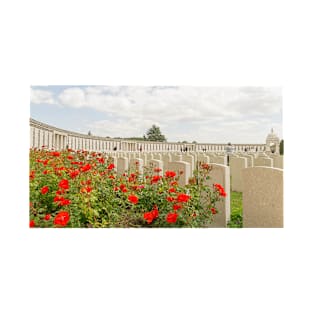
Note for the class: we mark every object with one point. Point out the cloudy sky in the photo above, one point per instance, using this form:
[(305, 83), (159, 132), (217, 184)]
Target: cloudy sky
[(204, 114)]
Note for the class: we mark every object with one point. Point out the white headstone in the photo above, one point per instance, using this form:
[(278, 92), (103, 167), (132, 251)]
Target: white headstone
[(236, 166), (220, 175), (262, 197), (136, 165), (262, 161), (219, 160), (182, 170), (122, 165), (176, 157), (190, 159), (156, 164)]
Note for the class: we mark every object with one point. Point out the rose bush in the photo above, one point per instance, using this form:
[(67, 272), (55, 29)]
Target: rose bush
[(82, 189)]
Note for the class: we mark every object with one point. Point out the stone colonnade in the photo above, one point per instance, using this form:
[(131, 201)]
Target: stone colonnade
[(59, 139)]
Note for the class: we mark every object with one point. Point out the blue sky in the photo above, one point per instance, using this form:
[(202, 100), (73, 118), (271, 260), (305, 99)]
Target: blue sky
[(204, 114)]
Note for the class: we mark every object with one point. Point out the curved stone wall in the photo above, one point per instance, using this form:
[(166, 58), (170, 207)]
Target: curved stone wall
[(51, 137)]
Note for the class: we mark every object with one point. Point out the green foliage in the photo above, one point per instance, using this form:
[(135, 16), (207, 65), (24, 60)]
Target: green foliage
[(85, 187), (154, 134), (236, 210), (281, 147), (135, 138)]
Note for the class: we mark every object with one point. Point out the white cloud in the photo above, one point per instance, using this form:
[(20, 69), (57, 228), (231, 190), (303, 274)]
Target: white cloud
[(189, 112), (39, 96), (73, 97)]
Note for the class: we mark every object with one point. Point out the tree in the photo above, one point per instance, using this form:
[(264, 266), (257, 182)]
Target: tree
[(89, 133), (154, 134), (281, 147)]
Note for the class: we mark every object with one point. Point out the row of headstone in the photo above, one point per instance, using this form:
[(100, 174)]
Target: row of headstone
[(262, 187)]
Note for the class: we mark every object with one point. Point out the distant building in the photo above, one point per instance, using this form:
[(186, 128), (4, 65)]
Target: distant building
[(272, 143)]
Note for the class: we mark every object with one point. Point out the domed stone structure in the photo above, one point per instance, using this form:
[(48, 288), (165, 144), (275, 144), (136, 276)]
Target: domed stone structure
[(272, 143)]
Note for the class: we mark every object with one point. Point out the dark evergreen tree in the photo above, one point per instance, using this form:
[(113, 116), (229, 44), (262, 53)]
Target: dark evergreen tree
[(154, 134), (281, 147)]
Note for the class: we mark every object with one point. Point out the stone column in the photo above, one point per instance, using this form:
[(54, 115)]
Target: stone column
[(31, 137)]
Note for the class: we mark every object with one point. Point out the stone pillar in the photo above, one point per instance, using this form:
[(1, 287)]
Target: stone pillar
[(31, 137), (263, 197)]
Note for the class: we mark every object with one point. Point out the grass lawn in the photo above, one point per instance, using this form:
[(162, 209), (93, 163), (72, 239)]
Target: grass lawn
[(236, 210)]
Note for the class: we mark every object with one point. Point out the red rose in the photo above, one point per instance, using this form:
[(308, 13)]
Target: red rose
[(213, 210), (73, 174), (171, 217), (101, 160), (32, 175), (148, 216), (86, 189), (58, 198), (169, 174), (61, 218), (32, 223), (65, 202), (133, 199), (85, 168), (220, 189), (155, 179), (44, 190), (70, 157), (111, 166), (47, 217), (177, 206), (157, 170), (155, 213), (55, 153), (170, 199), (205, 166), (172, 190), (183, 197), (64, 184)]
